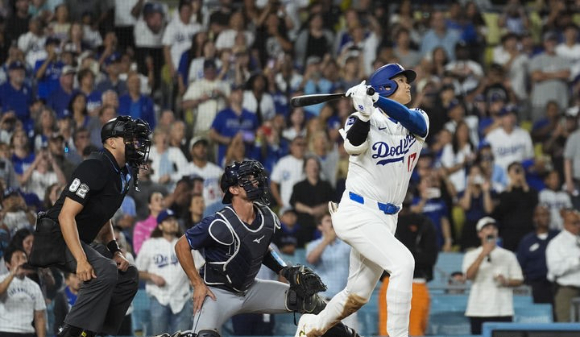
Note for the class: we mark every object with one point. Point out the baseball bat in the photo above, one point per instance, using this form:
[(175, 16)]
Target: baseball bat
[(305, 100)]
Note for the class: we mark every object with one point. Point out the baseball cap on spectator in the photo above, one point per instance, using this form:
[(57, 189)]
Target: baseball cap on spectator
[(496, 96), (484, 222), (207, 64), (237, 86), (51, 40), (287, 209), (10, 192), (312, 60), (164, 215), (68, 70), (447, 86), (114, 57), (152, 7), (426, 152), (196, 140), (506, 110), (16, 65), (550, 36), (64, 114), (191, 178), (56, 136), (453, 104)]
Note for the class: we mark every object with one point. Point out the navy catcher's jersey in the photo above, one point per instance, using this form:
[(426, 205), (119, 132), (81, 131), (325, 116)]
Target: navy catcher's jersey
[(100, 185), (233, 250)]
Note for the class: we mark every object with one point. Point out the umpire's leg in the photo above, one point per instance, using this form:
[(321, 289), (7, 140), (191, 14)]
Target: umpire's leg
[(123, 294), (92, 306)]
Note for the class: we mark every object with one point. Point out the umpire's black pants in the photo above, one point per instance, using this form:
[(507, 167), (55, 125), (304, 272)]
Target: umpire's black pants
[(103, 301)]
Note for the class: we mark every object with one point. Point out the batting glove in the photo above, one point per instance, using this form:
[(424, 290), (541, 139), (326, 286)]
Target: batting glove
[(362, 102)]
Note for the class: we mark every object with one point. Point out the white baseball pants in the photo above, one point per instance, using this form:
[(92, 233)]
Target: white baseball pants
[(370, 233)]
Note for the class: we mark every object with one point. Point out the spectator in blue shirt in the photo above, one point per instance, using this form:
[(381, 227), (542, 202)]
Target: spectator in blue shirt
[(439, 35), (60, 98), (16, 96), (431, 203), (531, 255), (48, 70), (136, 104), (22, 156), (113, 70), (231, 121), (86, 80)]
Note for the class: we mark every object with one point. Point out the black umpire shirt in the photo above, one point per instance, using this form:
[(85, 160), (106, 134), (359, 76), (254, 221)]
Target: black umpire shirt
[(100, 185)]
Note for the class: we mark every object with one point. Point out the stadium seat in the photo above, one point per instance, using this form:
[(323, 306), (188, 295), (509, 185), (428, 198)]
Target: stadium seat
[(535, 313), (447, 263)]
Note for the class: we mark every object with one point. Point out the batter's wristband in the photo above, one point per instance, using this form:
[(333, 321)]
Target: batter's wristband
[(113, 246)]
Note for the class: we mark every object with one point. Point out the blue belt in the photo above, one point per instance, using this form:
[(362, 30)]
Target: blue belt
[(385, 207)]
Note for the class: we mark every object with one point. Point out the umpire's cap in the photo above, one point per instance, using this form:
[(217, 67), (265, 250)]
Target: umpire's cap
[(381, 79)]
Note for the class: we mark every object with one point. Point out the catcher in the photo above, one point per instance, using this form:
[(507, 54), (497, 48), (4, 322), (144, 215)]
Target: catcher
[(235, 243)]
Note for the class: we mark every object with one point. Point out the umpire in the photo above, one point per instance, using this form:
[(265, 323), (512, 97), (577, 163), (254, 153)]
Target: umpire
[(64, 234)]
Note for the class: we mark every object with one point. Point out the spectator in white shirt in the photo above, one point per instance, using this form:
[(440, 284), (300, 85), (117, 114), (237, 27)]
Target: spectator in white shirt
[(563, 261), (167, 285), (287, 172), (226, 38), (22, 308), (510, 143), (555, 199), (493, 271), (177, 36)]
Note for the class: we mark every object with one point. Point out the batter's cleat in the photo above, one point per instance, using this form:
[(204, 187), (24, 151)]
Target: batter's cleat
[(305, 327)]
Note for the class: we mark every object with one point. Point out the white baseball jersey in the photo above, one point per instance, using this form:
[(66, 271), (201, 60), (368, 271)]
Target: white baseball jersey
[(211, 174), (508, 148), (177, 36), (555, 200), (157, 256), (382, 172), (17, 306), (286, 173)]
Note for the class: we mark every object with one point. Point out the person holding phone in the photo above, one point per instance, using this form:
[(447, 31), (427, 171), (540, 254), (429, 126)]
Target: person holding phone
[(494, 271), (515, 209)]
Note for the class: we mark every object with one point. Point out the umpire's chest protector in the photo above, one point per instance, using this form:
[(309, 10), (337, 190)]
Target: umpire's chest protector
[(246, 247)]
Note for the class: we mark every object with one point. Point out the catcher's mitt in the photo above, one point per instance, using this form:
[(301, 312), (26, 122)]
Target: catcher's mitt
[(303, 280)]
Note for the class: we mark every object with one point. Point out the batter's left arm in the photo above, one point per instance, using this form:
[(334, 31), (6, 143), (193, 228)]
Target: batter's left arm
[(412, 119)]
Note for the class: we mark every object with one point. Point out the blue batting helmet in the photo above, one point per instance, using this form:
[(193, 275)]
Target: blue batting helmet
[(381, 79), (251, 176)]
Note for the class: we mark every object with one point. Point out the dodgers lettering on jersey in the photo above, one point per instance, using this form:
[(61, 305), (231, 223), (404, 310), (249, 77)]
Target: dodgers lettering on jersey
[(382, 172)]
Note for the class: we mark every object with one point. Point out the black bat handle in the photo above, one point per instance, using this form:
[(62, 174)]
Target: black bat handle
[(370, 91)]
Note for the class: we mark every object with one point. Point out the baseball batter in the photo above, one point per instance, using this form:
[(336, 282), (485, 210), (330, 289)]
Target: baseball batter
[(384, 143)]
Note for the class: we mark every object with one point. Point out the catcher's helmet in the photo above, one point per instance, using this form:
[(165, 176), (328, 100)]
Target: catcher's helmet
[(250, 175), (135, 133), (381, 79)]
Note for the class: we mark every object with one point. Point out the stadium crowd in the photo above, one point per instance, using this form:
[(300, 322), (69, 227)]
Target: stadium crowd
[(498, 79)]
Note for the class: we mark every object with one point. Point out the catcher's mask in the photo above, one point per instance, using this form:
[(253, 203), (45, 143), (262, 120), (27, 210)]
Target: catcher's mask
[(250, 175), (135, 133)]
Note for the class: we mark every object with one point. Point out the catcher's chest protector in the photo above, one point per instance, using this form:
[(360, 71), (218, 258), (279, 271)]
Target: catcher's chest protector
[(247, 247)]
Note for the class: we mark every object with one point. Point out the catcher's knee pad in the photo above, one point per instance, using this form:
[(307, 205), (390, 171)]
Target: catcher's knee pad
[(208, 333), (310, 305)]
